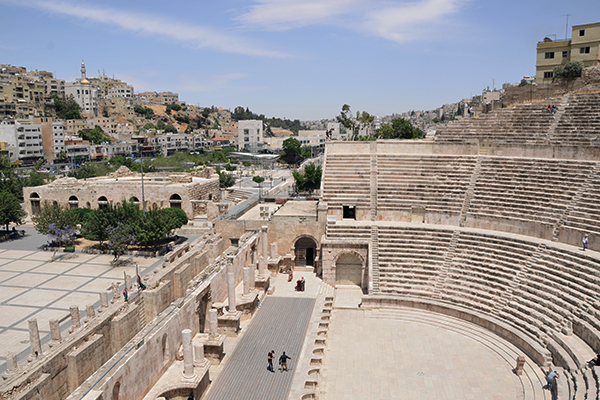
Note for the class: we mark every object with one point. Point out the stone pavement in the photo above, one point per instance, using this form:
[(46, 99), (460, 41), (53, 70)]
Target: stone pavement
[(413, 354), (33, 287)]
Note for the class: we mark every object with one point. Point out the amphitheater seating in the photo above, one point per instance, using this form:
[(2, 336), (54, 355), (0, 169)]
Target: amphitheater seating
[(523, 189), (585, 214), (580, 123), (522, 124), (348, 180), (410, 259), (437, 183), (348, 232)]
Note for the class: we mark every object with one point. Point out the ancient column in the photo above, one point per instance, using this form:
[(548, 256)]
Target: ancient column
[(231, 291), (252, 277), (265, 242), (103, 301), (128, 282), (34, 340), (261, 266), (115, 292), (11, 365), (75, 321), (246, 281), (520, 365), (188, 355), (55, 337), (89, 311), (213, 322), (198, 354), (274, 252)]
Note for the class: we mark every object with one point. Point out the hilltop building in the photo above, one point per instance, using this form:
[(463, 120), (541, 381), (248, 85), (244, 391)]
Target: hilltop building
[(85, 94), (584, 46)]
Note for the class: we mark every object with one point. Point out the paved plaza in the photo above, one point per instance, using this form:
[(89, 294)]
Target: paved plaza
[(33, 287)]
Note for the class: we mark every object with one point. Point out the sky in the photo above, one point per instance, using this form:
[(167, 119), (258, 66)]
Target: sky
[(295, 59)]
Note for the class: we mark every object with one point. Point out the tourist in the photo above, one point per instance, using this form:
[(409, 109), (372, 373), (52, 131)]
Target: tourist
[(585, 242), (270, 360), (553, 108), (595, 361), (290, 274), (470, 111), (303, 284), (550, 378), (283, 361), (549, 109), (299, 285)]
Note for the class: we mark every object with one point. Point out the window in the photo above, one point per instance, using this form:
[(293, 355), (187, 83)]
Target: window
[(549, 74), (349, 212), (549, 55), (565, 53), (582, 32), (584, 50), (246, 131)]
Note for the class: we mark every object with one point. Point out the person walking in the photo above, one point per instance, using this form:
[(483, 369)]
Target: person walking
[(283, 361), (550, 378), (270, 360), (584, 241)]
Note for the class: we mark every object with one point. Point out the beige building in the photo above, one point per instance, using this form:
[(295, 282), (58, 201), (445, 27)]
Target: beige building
[(84, 93), (583, 46), (190, 192)]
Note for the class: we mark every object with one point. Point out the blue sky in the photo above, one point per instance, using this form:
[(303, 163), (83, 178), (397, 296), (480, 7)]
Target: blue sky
[(291, 58)]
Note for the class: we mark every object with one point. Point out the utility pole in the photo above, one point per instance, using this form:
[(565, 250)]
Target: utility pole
[(567, 25), (143, 199)]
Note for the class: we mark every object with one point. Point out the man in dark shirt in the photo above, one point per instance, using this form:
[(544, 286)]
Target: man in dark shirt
[(283, 361), (270, 359)]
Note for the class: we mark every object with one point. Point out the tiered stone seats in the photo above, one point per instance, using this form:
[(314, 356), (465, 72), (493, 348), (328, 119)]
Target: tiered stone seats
[(348, 232), (524, 195), (410, 259), (347, 180), (436, 183), (584, 217), (522, 124), (579, 125)]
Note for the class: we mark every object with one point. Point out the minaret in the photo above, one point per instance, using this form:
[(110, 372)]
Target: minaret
[(83, 71)]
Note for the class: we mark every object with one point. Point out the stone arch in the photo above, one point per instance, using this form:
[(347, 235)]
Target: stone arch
[(102, 202), (116, 391), (73, 202), (305, 249), (34, 199), (175, 201), (349, 267)]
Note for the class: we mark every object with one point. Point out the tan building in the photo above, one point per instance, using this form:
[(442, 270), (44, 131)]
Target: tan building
[(583, 46), (190, 192)]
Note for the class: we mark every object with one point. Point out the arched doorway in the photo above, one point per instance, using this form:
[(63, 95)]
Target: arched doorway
[(102, 202), (34, 198), (306, 251), (175, 201), (348, 270), (73, 202)]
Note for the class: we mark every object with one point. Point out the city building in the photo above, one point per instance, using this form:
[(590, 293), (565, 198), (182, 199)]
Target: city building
[(251, 135), (25, 137), (85, 94), (584, 46)]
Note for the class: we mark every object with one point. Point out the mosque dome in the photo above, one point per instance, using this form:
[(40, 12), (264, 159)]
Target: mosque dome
[(85, 82)]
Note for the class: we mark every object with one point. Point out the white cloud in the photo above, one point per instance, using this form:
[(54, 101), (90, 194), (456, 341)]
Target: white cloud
[(288, 14), (399, 20), (197, 36), (411, 20)]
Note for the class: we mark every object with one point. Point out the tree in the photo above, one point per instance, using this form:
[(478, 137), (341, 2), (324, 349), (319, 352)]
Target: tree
[(225, 180), (52, 213), (148, 125), (178, 215), (170, 128), (8, 178), (259, 179), (399, 129), (35, 179), (66, 108), (292, 150), (354, 124), (571, 69), (154, 226), (95, 135), (310, 179), (119, 238), (10, 209)]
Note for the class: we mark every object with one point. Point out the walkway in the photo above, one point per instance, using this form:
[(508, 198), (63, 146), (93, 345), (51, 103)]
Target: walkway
[(280, 325)]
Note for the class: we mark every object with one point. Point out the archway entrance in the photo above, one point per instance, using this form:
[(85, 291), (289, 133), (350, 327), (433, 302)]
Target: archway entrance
[(348, 270), (306, 251)]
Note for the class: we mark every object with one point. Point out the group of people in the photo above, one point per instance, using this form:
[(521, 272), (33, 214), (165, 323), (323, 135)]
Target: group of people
[(282, 361), (551, 109)]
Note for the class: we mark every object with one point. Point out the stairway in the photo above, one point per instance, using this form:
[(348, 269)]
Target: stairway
[(470, 193), (375, 257), (448, 257)]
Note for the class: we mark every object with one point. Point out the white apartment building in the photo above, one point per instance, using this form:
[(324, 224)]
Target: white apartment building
[(84, 93), (124, 91), (26, 138), (250, 135)]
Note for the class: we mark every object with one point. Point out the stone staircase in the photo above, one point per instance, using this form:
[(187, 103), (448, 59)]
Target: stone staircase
[(470, 191), (448, 257), (374, 255)]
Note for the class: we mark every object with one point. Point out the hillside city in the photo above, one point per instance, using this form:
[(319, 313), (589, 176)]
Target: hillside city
[(95, 118)]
